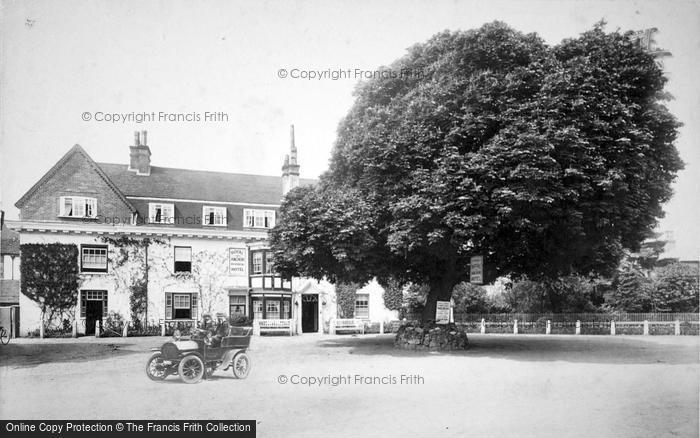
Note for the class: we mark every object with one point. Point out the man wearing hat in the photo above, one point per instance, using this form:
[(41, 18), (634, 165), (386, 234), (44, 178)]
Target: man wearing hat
[(221, 329)]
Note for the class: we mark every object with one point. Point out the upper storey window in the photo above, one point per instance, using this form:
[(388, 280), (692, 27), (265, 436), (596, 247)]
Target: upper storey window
[(159, 213), (77, 206), (258, 218), (214, 216)]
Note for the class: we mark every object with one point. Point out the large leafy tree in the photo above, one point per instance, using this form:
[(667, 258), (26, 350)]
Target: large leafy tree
[(546, 160)]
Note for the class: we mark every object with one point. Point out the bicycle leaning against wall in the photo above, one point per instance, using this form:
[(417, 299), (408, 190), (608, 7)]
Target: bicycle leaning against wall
[(4, 335)]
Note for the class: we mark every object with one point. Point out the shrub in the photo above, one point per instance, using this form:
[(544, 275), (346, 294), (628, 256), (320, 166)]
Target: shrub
[(238, 320), (113, 325)]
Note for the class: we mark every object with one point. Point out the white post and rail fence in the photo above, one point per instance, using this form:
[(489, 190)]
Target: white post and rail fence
[(580, 323)]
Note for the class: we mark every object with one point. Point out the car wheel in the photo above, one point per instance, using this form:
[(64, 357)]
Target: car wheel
[(241, 365), (191, 369), (155, 368)]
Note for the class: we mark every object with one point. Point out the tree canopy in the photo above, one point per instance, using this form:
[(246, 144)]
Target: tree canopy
[(546, 160)]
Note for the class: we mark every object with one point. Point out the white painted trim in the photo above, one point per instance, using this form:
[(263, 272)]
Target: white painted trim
[(66, 227), (200, 201)]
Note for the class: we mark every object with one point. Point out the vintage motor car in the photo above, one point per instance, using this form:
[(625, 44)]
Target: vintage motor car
[(199, 356)]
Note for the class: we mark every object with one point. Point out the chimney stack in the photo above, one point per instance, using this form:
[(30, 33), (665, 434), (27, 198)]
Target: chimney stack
[(140, 155), (290, 169)]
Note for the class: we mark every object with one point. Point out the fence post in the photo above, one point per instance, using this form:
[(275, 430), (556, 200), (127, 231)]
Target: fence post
[(578, 327), (677, 328), (515, 327), (75, 328), (646, 327), (98, 324), (125, 331), (162, 328), (612, 328), (548, 331), (381, 327), (483, 326)]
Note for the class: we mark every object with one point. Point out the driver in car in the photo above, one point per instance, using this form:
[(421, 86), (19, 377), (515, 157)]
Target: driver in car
[(221, 330)]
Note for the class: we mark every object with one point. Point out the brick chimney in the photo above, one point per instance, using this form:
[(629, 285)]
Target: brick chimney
[(290, 169), (140, 155)]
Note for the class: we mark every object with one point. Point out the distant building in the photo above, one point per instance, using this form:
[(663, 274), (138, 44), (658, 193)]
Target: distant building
[(9, 279)]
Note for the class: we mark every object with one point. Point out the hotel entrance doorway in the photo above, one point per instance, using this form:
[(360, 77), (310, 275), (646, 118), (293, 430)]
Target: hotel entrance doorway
[(309, 313)]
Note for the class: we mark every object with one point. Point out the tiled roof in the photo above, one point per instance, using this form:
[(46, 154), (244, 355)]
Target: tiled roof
[(165, 182)]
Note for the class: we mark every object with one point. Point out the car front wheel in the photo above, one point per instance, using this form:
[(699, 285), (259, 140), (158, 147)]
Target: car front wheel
[(191, 369), (155, 368), (241, 365)]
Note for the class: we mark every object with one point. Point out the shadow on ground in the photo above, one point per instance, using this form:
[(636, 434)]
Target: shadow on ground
[(32, 355), (589, 349)]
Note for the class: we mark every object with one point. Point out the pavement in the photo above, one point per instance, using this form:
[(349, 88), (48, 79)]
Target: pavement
[(359, 385)]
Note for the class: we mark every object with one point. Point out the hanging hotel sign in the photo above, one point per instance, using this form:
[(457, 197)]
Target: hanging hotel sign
[(442, 312), (476, 270), (236, 261)]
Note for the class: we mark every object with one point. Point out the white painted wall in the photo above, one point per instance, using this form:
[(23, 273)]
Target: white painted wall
[(161, 263)]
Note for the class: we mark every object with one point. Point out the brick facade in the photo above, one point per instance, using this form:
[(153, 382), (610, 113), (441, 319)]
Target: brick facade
[(78, 177)]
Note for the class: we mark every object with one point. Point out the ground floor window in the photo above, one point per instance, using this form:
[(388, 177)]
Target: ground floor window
[(237, 305), (362, 306), (181, 305), (273, 309), (93, 295), (258, 308), (276, 307)]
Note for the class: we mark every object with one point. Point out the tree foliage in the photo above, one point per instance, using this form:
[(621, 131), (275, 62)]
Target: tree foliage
[(676, 288), (470, 298), (393, 294), (345, 294), (569, 294), (50, 276), (549, 161)]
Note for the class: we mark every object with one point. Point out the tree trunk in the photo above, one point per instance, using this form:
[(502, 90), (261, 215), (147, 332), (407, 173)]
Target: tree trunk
[(440, 290), (41, 327)]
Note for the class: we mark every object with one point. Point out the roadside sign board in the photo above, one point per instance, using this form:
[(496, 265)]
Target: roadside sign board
[(442, 312), (476, 270)]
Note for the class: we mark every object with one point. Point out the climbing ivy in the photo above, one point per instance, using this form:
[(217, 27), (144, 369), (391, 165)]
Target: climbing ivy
[(134, 275), (50, 276)]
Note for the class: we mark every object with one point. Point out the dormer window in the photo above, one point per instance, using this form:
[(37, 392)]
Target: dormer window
[(258, 218), (161, 213), (77, 206), (214, 216)]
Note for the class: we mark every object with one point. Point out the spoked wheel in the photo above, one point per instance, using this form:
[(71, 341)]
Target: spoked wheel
[(4, 336), (155, 368), (191, 369), (241, 365)]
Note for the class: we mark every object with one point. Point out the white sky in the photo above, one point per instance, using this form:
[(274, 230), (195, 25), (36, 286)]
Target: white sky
[(63, 58)]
